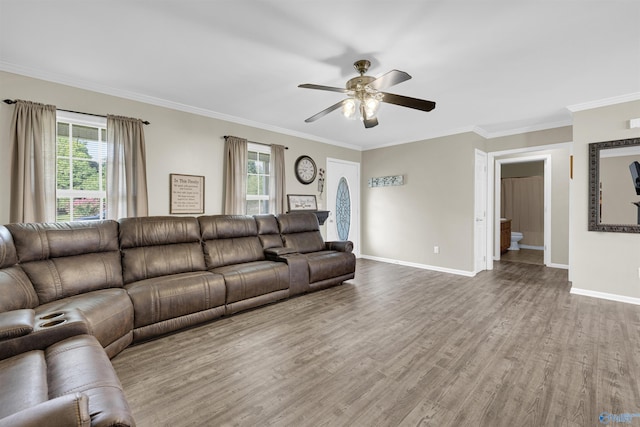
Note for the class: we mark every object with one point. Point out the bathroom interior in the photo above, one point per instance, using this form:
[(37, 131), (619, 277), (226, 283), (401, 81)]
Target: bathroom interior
[(522, 212)]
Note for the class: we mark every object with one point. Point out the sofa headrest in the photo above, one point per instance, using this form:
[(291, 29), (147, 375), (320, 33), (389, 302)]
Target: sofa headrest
[(8, 256), (298, 222), (40, 241), (267, 224), (158, 230), (227, 226)]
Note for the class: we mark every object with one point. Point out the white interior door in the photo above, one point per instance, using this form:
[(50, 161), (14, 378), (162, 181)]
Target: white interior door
[(343, 201), (480, 227)]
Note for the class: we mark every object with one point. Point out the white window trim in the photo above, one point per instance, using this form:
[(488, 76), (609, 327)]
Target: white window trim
[(264, 149), (82, 120)]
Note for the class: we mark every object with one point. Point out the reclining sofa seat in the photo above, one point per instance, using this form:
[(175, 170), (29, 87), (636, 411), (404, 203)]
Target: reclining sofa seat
[(72, 267), (233, 249), (330, 263), (166, 277), (70, 383)]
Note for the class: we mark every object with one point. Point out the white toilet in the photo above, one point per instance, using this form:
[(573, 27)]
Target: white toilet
[(515, 238)]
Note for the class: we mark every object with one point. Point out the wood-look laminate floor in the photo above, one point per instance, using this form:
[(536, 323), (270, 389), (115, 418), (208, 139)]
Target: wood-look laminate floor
[(399, 346), (527, 256)]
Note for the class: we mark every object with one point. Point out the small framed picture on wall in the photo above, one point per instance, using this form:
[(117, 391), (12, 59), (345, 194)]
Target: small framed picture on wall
[(186, 194)]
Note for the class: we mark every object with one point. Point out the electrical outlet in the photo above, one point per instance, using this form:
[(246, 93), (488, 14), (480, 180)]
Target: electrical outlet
[(436, 249)]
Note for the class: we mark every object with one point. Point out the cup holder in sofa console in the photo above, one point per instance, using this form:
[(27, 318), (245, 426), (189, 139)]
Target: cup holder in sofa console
[(52, 315), (51, 323)]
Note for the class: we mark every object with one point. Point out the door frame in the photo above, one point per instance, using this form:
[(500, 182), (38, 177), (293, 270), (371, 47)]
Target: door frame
[(480, 201), (493, 230), (354, 190)]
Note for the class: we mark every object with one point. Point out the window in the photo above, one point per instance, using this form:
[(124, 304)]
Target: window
[(258, 179), (81, 159)]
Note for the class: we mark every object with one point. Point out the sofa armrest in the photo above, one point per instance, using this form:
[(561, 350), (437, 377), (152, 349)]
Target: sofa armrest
[(48, 329), (64, 411), (16, 323), (275, 254), (340, 246)]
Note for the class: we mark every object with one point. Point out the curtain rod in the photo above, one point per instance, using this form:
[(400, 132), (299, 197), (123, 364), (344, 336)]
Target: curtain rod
[(254, 142), (11, 101)]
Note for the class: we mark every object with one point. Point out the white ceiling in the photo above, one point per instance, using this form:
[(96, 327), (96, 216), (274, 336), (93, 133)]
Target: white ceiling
[(495, 67)]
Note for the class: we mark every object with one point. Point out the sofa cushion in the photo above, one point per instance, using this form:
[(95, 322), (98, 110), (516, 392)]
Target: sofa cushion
[(16, 323), (24, 382), (8, 255), (80, 365), (329, 264), (230, 240), (71, 410), (268, 231), (159, 246), (109, 312), (301, 232), (66, 259), (251, 279), (16, 290), (67, 276), (41, 241), (161, 298)]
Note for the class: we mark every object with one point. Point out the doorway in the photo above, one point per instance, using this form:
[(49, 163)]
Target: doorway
[(343, 202), (546, 233)]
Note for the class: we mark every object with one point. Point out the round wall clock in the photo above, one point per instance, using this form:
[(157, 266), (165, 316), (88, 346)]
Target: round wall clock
[(305, 169)]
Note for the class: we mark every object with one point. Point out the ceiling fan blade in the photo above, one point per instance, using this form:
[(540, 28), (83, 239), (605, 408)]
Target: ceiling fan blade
[(389, 79), (325, 111), (405, 101), (320, 87), (369, 123)]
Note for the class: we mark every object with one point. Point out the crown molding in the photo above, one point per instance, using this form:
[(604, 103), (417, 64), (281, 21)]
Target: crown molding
[(159, 102), (524, 129), (635, 96)]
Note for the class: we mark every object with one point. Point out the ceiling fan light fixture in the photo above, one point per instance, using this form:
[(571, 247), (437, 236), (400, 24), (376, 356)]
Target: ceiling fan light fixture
[(371, 105), (349, 108), (364, 95)]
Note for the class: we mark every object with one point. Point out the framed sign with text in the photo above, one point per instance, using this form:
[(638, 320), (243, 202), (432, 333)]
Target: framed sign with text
[(187, 194)]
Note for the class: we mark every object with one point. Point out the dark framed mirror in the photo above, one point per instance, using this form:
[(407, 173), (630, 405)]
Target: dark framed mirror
[(614, 186)]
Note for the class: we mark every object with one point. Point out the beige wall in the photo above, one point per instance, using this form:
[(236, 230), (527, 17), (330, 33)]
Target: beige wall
[(434, 207), (177, 142), (601, 262)]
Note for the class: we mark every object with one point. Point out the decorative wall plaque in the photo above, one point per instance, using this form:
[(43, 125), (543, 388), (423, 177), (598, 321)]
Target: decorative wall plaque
[(386, 181), (187, 194)]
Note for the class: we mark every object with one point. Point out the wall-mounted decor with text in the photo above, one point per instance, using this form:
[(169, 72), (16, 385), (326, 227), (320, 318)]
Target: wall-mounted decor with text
[(386, 181), (302, 202), (187, 194)]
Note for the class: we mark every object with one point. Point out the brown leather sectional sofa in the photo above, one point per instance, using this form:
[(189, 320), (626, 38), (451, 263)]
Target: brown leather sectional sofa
[(73, 295)]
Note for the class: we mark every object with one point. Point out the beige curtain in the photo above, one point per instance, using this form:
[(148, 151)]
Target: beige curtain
[(522, 201), (33, 170), (235, 188), (126, 168), (277, 202)]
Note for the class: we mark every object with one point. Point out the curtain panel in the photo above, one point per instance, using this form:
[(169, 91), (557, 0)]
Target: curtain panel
[(126, 168), (235, 185), (522, 201), (33, 168), (278, 199)]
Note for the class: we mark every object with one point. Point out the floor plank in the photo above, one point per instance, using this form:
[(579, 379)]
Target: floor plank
[(399, 346)]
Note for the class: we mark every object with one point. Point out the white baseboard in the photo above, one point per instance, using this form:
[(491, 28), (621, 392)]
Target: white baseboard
[(562, 266), (422, 266), (535, 248), (604, 295)]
